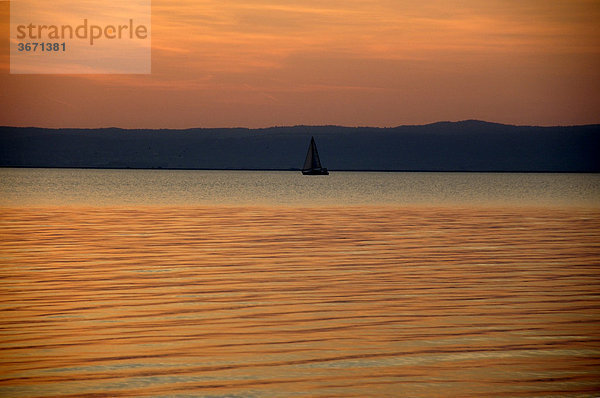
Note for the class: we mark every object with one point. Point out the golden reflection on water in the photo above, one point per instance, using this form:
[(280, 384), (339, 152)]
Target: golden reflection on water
[(354, 302)]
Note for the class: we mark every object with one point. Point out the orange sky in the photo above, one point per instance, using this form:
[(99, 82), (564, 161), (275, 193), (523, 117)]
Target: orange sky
[(250, 63)]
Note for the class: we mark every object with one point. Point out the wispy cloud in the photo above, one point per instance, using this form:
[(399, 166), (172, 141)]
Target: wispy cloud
[(395, 60)]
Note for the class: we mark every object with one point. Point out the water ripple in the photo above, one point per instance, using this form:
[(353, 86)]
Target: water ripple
[(258, 301)]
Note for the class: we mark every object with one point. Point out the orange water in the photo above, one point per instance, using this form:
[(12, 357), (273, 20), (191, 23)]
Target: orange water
[(274, 302)]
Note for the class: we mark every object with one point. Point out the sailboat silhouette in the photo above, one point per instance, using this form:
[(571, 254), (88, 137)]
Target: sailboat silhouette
[(312, 163)]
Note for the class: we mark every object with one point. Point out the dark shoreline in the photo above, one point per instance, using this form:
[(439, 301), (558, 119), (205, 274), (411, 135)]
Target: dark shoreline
[(468, 146), (298, 170)]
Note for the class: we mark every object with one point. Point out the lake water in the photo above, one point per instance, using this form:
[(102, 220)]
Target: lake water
[(73, 187), (273, 284)]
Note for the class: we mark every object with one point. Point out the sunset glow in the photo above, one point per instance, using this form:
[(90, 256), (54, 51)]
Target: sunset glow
[(381, 63)]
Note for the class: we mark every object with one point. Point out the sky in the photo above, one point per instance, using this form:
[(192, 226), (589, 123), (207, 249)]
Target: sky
[(261, 63)]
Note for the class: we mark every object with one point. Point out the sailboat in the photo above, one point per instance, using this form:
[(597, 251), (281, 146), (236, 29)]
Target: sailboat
[(312, 163)]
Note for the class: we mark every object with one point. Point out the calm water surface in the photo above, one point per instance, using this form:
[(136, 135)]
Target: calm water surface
[(243, 284), (30, 187)]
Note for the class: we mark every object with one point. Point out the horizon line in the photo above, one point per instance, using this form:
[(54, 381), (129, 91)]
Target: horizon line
[(303, 126)]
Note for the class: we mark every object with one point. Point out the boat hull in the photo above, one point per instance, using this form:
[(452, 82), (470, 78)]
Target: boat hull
[(318, 172)]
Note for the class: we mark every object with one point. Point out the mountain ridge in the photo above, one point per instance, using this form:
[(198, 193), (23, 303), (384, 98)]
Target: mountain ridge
[(468, 145)]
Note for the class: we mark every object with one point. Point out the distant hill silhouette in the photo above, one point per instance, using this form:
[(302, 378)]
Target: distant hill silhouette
[(446, 146)]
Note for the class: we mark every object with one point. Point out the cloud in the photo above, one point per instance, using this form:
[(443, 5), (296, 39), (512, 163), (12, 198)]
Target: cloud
[(392, 61)]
